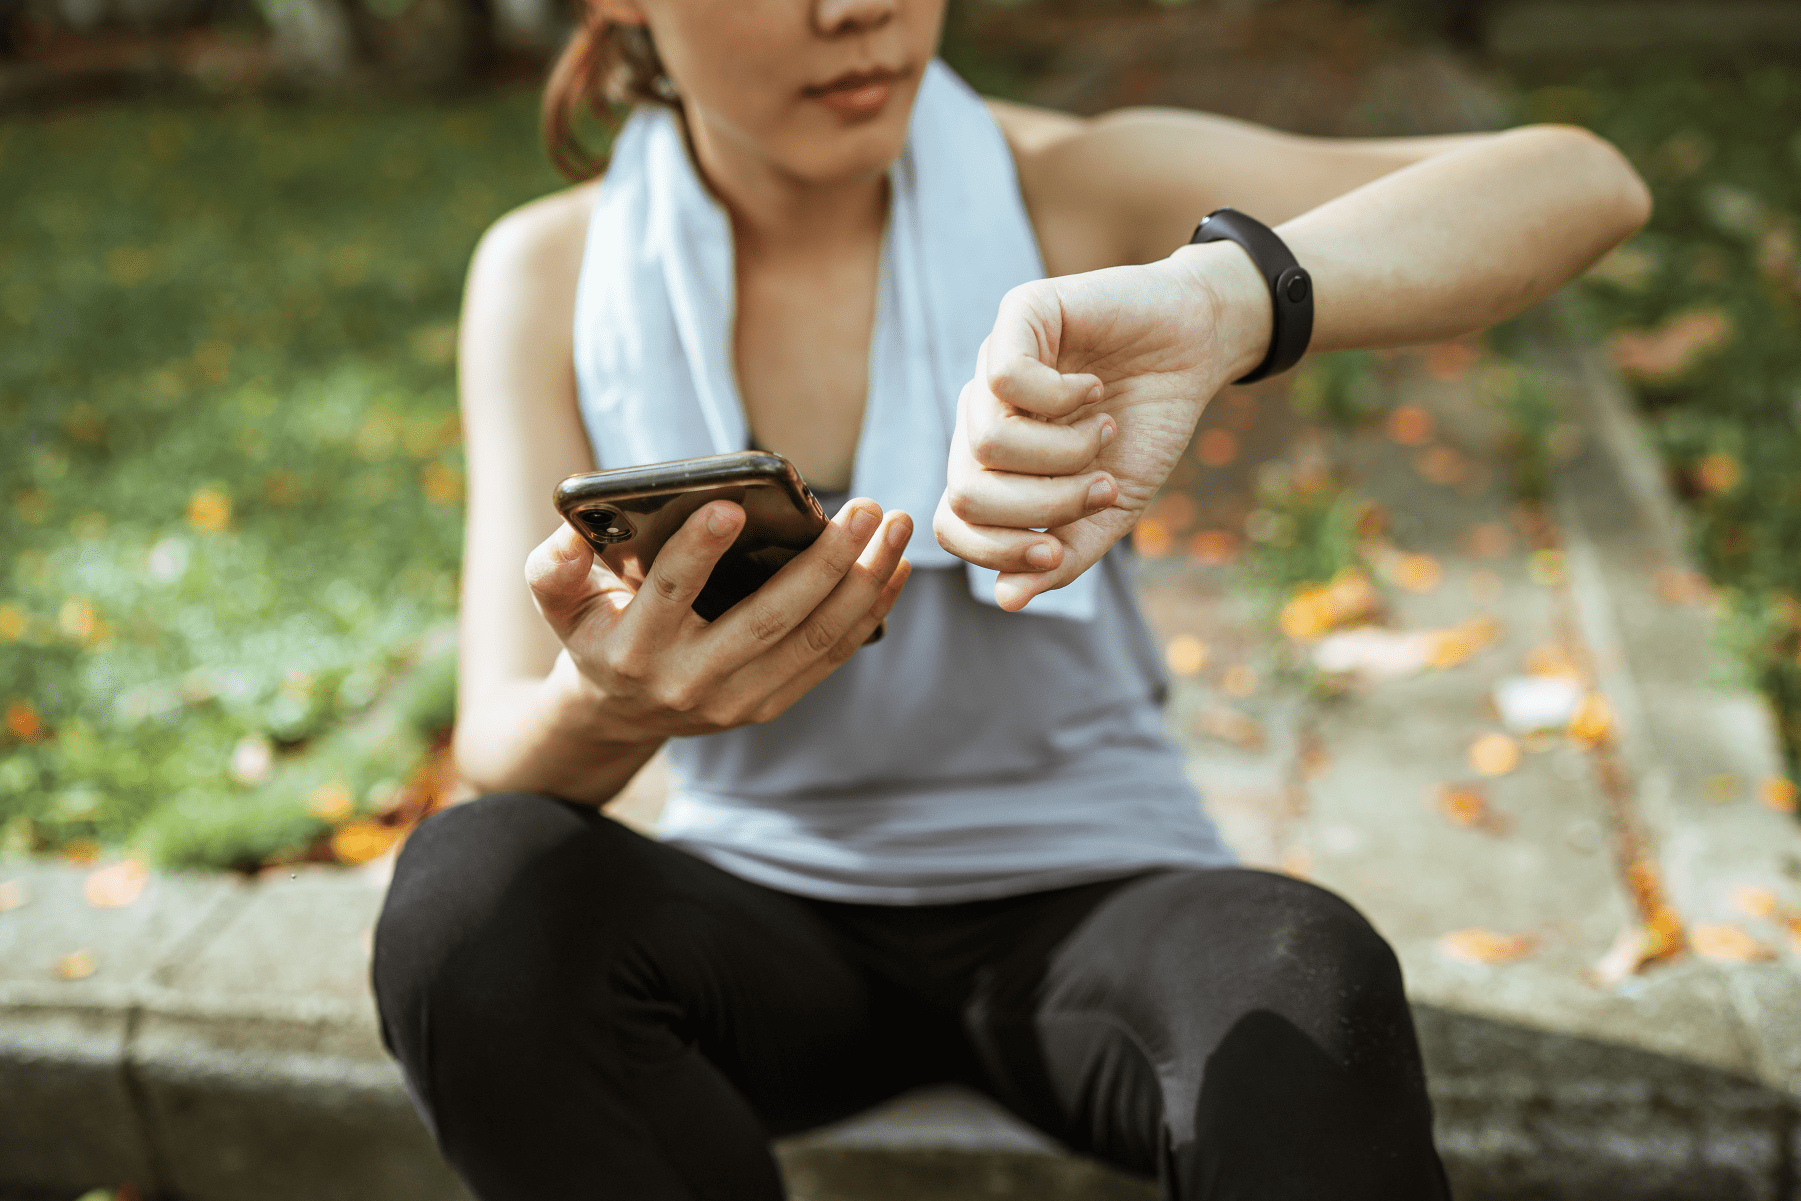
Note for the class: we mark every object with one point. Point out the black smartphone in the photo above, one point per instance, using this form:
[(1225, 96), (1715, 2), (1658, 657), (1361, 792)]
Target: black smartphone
[(626, 515)]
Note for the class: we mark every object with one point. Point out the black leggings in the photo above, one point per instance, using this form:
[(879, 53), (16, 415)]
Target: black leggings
[(582, 1012)]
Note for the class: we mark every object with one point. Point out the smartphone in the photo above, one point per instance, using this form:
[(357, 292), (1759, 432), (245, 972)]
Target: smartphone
[(626, 515)]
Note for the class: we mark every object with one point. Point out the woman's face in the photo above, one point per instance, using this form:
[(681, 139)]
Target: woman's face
[(819, 89)]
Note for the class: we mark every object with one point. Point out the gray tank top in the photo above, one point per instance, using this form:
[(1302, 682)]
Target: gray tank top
[(970, 753)]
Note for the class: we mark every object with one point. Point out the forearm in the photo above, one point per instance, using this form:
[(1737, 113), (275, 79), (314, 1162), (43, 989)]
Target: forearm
[(545, 736), (1446, 246)]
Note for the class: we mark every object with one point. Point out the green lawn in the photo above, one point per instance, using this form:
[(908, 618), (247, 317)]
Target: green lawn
[(230, 454)]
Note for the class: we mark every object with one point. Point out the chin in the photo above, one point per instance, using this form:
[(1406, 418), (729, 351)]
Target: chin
[(827, 150)]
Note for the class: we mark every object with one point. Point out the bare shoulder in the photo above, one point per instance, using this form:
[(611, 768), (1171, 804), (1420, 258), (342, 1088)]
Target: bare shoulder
[(541, 240), (1029, 129)]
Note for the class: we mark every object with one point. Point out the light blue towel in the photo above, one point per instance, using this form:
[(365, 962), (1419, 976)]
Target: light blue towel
[(655, 304)]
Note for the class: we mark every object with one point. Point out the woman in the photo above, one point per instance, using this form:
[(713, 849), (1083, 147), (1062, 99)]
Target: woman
[(964, 852)]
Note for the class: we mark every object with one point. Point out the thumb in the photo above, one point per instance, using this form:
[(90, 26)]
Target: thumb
[(559, 572)]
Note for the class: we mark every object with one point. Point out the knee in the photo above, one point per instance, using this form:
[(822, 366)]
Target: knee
[(1294, 949), (475, 899)]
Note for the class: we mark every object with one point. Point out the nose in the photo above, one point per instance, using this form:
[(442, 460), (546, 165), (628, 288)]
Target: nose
[(837, 17)]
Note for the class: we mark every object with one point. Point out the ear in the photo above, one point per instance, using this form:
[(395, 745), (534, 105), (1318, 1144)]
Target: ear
[(620, 12)]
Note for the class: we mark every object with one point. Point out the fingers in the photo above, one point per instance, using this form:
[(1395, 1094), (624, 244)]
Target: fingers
[(841, 651), (1028, 501), (994, 546), (1084, 543), (763, 619), (1002, 438), (680, 570), (827, 624), (1019, 360), (560, 572)]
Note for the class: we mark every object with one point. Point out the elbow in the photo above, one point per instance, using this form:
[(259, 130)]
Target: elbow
[(1621, 200)]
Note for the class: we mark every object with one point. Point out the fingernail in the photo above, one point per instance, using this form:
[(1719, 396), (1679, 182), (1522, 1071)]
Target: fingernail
[(1100, 494), (1042, 554), (1107, 431), (862, 522), (898, 534), (1095, 393), (720, 523)]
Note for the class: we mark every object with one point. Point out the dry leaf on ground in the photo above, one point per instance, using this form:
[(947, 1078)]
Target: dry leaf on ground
[(117, 886), (1754, 901), (1593, 720), (1239, 680), (1461, 806), (1418, 572), (1725, 943), (1477, 945), (1777, 793), (1185, 655), (1494, 754), (76, 965), (1486, 540), (1410, 425), (1151, 538), (1213, 548), (362, 841)]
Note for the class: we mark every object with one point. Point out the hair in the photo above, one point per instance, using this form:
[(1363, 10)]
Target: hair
[(604, 66)]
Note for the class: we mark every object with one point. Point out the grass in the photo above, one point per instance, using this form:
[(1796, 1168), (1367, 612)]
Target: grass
[(230, 454)]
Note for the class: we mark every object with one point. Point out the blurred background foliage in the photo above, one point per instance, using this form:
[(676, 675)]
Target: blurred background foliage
[(231, 514)]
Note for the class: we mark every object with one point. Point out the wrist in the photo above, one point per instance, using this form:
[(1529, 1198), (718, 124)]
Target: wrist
[(1233, 300), (581, 708)]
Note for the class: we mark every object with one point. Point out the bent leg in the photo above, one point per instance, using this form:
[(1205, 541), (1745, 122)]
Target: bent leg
[(1238, 1034), (581, 1011)]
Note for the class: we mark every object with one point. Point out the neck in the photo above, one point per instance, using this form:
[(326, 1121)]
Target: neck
[(774, 212)]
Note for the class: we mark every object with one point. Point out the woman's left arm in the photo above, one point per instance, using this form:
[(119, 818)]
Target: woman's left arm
[(1408, 240)]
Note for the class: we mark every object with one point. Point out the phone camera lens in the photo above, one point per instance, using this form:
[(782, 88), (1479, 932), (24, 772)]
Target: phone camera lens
[(607, 525)]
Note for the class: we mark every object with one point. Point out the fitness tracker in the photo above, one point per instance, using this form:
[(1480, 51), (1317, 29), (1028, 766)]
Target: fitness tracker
[(1290, 287)]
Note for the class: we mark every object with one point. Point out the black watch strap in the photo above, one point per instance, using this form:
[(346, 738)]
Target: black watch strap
[(1290, 287)]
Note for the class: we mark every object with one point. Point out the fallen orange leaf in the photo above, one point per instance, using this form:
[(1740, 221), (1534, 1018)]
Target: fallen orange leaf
[(1723, 788), (1151, 538), (1718, 472), (1418, 572), (1545, 567), (1457, 644), (209, 510), (1550, 659), (1593, 721), (359, 842), (1217, 447), (23, 720), (76, 965), (1441, 465), (1666, 353), (331, 802), (1754, 901), (1675, 586), (1477, 945), (1461, 806), (117, 886), (83, 852), (1777, 793), (1725, 943), (1410, 425), (1186, 655), (1213, 548), (1494, 754)]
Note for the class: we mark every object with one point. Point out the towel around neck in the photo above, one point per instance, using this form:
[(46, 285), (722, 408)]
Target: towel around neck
[(656, 299)]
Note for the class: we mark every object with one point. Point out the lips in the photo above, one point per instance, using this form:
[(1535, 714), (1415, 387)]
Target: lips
[(857, 95)]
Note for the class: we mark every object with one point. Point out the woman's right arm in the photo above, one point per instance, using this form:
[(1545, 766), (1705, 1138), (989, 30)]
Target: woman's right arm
[(569, 680)]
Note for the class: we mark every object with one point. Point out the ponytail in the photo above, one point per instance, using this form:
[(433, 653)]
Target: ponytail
[(604, 66)]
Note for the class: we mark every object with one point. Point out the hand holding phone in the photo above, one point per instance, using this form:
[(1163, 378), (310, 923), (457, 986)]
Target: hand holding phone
[(644, 661)]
